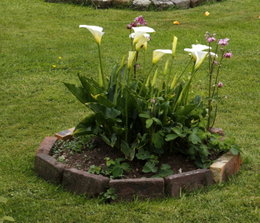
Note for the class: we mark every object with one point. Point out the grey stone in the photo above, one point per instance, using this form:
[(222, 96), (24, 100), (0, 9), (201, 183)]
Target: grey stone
[(163, 4), (102, 3), (82, 182), (48, 168), (141, 4), (181, 4), (195, 3), (128, 189), (187, 181), (122, 2)]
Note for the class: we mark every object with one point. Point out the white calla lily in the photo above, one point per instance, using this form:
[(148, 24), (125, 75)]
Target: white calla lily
[(159, 53), (96, 31), (200, 47), (141, 42), (197, 55), (143, 29)]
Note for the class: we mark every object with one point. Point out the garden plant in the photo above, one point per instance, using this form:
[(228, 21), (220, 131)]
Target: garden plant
[(145, 110)]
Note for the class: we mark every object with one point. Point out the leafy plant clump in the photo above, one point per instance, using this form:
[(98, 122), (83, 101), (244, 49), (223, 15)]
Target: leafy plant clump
[(147, 111)]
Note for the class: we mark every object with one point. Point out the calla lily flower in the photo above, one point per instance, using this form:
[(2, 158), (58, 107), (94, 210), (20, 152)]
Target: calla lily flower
[(158, 54), (135, 36), (200, 47), (197, 55), (131, 57), (141, 42), (143, 29), (96, 31)]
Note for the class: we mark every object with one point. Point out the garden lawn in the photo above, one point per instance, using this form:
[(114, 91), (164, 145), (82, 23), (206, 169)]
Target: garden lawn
[(34, 103)]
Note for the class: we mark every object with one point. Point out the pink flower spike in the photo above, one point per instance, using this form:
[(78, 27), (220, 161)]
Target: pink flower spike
[(220, 84), (140, 21), (211, 39), (223, 42), (228, 55)]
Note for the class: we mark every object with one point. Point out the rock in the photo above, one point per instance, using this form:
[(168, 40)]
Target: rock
[(141, 4), (195, 3), (225, 166), (122, 2), (82, 182), (142, 188), (48, 168), (187, 181), (181, 4), (102, 3), (163, 4)]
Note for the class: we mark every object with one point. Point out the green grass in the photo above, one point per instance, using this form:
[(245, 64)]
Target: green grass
[(34, 103)]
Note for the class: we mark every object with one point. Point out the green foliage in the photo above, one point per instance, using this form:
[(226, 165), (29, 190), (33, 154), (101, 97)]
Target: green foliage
[(113, 168), (108, 196), (5, 218), (165, 170)]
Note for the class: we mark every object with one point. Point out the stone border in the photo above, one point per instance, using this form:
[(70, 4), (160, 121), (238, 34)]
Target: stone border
[(82, 182), (139, 4)]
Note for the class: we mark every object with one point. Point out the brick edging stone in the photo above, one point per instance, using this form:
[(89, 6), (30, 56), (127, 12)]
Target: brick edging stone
[(82, 182)]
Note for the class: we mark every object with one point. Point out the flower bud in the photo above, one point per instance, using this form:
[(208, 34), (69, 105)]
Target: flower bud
[(220, 84), (228, 55)]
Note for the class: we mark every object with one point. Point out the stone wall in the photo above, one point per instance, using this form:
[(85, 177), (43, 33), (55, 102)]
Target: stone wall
[(139, 4)]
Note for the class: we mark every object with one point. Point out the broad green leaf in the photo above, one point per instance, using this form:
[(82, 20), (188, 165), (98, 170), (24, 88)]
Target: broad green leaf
[(171, 137), (150, 167), (144, 115), (157, 121), (128, 151), (164, 171), (149, 123), (158, 140), (194, 138), (143, 154)]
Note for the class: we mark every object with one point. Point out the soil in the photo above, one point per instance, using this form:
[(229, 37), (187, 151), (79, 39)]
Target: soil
[(99, 151)]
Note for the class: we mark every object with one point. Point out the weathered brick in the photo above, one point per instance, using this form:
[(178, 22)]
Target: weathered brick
[(128, 189), (82, 182), (225, 166), (187, 181), (46, 145), (48, 168)]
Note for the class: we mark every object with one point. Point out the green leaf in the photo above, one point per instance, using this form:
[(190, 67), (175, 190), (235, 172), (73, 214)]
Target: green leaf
[(149, 123), (143, 154), (164, 171), (171, 137), (150, 167), (158, 139), (128, 151), (144, 115), (158, 121), (194, 138), (117, 171), (234, 151), (8, 218)]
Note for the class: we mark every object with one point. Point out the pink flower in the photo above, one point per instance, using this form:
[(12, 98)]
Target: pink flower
[(140, 21), (211, 39), (228, 55), (131, 25), (220, 84), (223, 42)]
